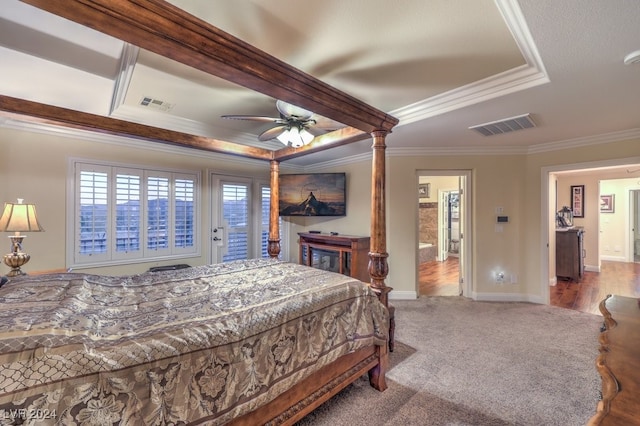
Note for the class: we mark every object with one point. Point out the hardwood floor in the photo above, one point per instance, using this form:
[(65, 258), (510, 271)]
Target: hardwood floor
[(441, 279), (614, 278)]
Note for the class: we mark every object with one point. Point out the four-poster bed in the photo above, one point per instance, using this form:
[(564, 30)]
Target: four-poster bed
[(166, 30)]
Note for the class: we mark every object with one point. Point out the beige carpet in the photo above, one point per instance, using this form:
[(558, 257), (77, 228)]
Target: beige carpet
[(460, 362)]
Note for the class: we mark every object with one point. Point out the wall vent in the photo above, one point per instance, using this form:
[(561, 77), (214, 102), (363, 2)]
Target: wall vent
[(156, 104), (506, 125)]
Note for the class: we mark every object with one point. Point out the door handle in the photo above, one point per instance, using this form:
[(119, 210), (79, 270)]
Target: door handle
[(217, 239)]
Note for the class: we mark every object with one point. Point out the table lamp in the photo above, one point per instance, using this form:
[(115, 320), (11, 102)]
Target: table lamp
[(18, 218)]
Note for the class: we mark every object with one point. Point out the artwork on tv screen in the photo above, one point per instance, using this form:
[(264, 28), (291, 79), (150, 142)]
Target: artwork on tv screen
[(317, 194)]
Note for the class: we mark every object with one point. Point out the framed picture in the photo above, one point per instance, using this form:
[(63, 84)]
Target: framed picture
[(424, 190), (607, 203), (577, 200)]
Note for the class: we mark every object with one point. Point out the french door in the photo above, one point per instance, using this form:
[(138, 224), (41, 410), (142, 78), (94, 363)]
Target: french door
[(239, 218), (230, 218)]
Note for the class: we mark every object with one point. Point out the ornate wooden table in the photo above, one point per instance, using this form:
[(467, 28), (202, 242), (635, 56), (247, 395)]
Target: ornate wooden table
[(619, 362)]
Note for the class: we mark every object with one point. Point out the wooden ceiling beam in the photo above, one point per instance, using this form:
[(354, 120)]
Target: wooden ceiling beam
[(41, 113), (164, 29), (323, 142)]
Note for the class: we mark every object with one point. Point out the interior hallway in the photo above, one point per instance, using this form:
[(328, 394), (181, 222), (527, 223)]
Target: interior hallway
[(441, 279)]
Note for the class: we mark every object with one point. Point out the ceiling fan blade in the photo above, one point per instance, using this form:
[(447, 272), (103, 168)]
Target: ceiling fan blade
[(289, 110), (325, 124), (259, 118), (272, 133), (315, 131)]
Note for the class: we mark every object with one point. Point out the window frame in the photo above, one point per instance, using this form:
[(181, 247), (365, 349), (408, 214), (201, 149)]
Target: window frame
[(112, 257)]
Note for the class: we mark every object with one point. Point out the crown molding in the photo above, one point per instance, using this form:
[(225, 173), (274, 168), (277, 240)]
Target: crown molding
[(455, 151), (123, 141), (584, 141), (517, 79), (532, 74), (573, 143), (128, 61), (580, 142), (339, 162)]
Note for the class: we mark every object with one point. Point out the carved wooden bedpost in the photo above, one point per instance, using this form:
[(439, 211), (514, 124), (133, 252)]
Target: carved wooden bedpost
[(378, 267), (274, 227)]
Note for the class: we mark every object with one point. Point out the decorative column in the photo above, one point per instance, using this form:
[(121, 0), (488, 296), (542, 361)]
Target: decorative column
[(378, 267), (274, 226)]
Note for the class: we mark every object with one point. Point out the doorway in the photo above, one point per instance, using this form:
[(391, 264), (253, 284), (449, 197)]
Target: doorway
[(240, 219), (610, 230), (442, 255)]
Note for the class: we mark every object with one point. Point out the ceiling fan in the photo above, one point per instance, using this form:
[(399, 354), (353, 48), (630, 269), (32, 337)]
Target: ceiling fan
[(296, 126)]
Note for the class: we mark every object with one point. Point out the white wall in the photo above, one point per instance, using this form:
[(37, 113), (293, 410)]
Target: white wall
[(616, 229)]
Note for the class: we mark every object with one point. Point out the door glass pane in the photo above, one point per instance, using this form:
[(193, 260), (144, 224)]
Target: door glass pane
[(235, 211)]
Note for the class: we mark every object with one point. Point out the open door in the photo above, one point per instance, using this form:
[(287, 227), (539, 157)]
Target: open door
[(444, 226)]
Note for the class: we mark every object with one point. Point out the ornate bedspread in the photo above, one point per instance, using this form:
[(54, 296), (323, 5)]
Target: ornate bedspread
[(209, 342)]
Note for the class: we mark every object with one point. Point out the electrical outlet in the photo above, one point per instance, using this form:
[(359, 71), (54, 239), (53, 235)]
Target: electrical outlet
[(499, 277)]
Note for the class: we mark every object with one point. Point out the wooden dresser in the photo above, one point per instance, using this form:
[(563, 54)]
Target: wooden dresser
[(619, 363), (570, 253)]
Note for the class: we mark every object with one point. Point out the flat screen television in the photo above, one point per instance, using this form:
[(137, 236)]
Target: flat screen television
[(315, 194)]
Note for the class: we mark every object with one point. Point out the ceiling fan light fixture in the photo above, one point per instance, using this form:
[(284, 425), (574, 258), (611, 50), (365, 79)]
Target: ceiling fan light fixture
[(306, 136), (295, 136), (284, 137)]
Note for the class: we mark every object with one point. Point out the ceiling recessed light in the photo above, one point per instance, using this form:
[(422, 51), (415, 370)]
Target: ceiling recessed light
[(632, 58)]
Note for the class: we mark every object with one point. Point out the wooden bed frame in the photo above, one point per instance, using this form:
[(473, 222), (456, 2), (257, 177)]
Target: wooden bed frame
[(169, 31)]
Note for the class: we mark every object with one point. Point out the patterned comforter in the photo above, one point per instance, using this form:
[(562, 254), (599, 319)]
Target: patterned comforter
[(209, 342)]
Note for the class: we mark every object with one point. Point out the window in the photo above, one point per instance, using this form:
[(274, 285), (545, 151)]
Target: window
[(131, 214)]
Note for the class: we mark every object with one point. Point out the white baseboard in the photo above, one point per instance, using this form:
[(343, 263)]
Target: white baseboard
[(614, 258), (591, 268), (507, 297), (403, 295), (481, 297)]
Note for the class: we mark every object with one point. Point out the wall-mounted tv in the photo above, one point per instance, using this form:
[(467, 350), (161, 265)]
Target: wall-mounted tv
[(315, 194)]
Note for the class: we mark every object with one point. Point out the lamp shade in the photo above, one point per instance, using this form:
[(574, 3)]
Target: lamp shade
[(18, 217)]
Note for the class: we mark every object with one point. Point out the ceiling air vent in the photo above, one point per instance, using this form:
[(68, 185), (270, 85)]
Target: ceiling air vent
[(156, 104), (506, 125)]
